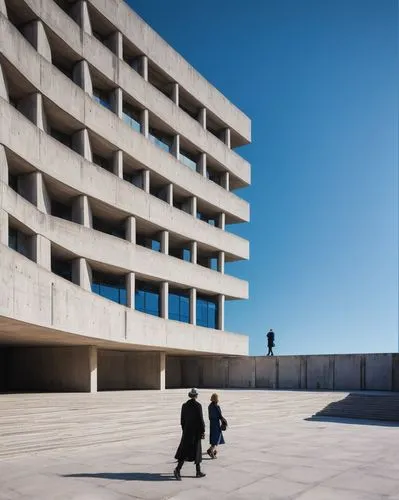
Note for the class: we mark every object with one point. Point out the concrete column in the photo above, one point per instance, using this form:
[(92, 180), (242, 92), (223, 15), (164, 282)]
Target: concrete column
[(221, 301), (169, 194), (144, 67), (3, 227), (194, 252), (81, 211), (41, 251), (222, 221), (36, 35), (175, 93), (226, 137), (221, 260), (33, 188), (3, 84), (193, 206), (162, 371), (165, 300), (226, 181), (146, 181), (117, 102), (202, 164), (82, 77), (165, 242), (145, 123), (202, 117), (131, 229), (80, 13), (115, 43), (3, 8), (81, 273), (81, 144), (3, 165), (117, 163), (193, 306), (176, 147), (130, 289), (32, 107), (93, 368)]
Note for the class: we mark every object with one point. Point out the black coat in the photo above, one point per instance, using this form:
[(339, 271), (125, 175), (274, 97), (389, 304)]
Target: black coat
[(193, 427)]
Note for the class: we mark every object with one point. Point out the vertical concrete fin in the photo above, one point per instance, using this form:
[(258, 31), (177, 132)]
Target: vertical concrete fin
[(80, 13), (164, 300), (36, 35), (118, 163), (3, 165), (117, 102), (42, 251), (193, 306), (221, 301), (145, 123), (81, 273), (162, 371), (81, 144), (131, 229), (3, 84), (81, 76), (130, 289), (3, 8), (3, 227)]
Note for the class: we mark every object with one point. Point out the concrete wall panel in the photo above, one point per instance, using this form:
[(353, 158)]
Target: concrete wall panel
[(215, 372), (378, 372), (111, 370), (242, 372), (48, 369), (320, 372), (348, 372), (289, 372), (266, 372), (192, 372), (173, 372), (395, 372)]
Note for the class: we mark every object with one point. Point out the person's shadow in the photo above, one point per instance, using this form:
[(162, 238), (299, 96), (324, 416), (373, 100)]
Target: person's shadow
[(125, 476)]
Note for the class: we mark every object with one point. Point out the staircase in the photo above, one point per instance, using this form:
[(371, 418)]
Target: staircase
[(382, 407)]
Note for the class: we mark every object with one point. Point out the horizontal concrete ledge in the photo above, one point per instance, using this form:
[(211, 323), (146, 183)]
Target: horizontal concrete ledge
[(37, 304), (340, 372), (118, 253)]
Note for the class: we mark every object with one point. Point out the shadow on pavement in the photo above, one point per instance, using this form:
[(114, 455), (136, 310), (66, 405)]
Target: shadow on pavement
[(125, 476), (353, 421)]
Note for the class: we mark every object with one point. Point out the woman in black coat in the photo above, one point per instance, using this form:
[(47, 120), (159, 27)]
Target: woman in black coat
[(193, 427)]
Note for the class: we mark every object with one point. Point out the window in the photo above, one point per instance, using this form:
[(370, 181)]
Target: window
[(62, 137), (62, 268), (102, 162), (205, 218), (148, 242), (179, 306), (207, 312), (147, 298), (102, 97), (111, 287), (117, 229), (186, 254), (131, 117), (160, 140), (214, 176), (188, 160), (20, 242), (60, 210)]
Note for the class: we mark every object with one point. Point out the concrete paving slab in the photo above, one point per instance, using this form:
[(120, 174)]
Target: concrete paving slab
[(121, 446)]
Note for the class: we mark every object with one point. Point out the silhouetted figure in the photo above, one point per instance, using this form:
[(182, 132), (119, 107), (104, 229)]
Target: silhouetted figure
[(270, 342), (217, 423), (193, 427)]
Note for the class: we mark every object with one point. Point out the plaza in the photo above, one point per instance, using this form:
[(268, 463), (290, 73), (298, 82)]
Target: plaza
[(120, 445)]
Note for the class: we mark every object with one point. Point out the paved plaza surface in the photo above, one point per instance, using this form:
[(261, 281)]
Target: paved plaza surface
[(120, 445)]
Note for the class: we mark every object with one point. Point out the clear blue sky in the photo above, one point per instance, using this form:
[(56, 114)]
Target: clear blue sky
[(319, 80)]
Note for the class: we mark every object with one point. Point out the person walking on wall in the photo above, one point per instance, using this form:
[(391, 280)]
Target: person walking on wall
[(217, 423), (270, 342), (193, 427)]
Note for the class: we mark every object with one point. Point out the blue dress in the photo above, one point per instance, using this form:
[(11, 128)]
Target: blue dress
[(215, 431)]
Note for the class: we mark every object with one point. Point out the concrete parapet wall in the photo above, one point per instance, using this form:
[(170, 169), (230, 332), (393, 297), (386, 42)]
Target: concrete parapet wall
[(341, 372)]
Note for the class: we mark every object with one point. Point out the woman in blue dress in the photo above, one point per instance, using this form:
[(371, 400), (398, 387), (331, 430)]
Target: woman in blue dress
[(216, 423)]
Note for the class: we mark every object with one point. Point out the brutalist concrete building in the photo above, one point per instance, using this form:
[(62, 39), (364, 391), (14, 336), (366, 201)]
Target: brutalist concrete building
[(117, 180)]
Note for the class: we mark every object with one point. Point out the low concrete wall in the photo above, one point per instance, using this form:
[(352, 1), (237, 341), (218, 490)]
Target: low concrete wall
[(48, 369), (379, 372), (173, 372)]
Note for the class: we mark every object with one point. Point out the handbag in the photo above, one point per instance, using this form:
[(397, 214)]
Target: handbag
[(223, 427)]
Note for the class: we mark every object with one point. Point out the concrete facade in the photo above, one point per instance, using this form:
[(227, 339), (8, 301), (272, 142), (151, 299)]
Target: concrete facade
[(117, 180)]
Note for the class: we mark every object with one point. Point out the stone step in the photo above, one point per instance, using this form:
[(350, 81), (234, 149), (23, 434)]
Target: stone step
[(368, 407)]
